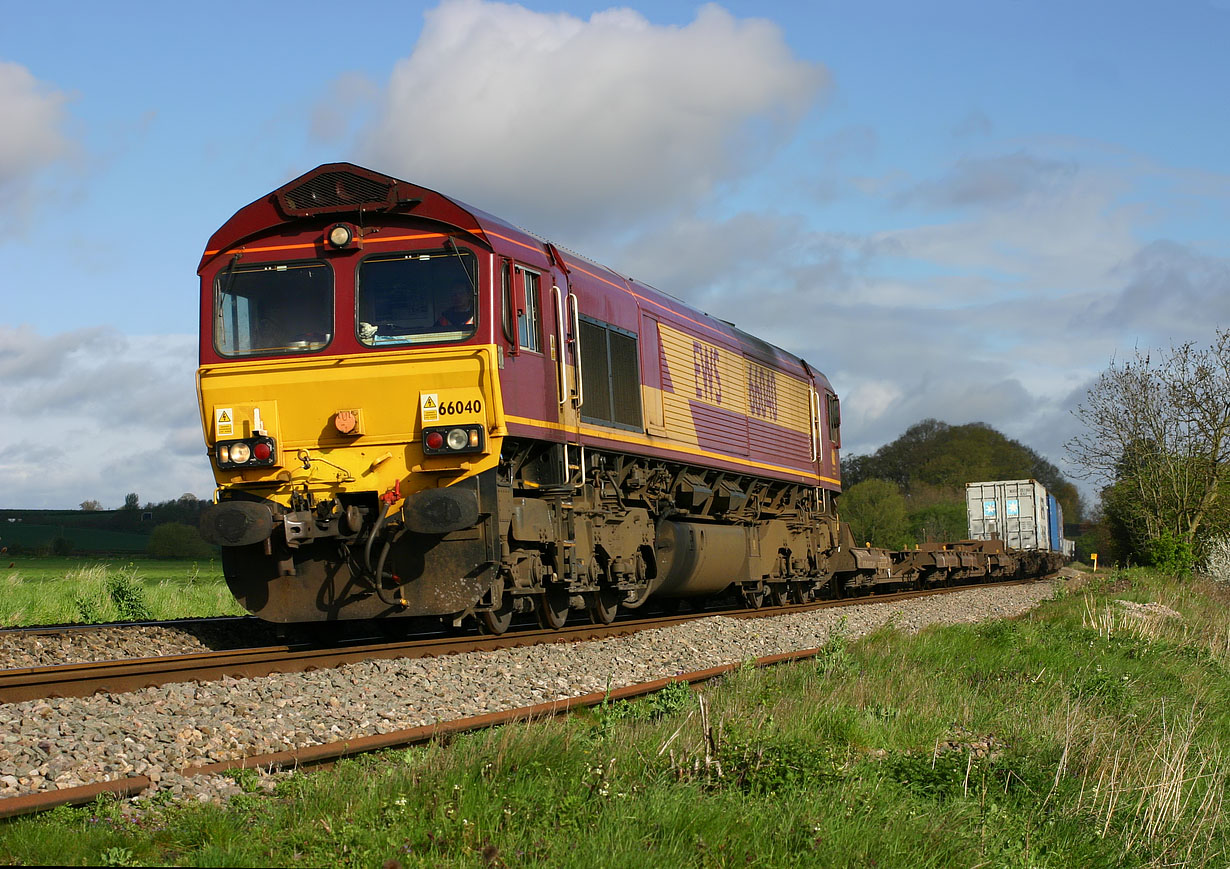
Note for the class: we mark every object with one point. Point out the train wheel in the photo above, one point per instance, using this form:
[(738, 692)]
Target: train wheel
[(497, 619), (552, 609), (603, 606), (754, 597), (780, 594)]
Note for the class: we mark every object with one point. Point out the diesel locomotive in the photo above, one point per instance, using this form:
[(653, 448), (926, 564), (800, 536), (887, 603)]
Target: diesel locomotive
[(414, 408)]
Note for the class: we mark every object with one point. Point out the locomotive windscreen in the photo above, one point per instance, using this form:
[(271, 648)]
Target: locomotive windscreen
[(279, 308), (415, 297)]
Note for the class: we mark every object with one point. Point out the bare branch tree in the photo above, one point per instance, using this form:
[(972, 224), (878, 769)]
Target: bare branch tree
[(1159, 429)]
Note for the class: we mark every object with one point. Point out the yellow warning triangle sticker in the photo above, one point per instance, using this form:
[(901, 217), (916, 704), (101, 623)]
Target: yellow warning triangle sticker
[(224, 417), (429, 402)]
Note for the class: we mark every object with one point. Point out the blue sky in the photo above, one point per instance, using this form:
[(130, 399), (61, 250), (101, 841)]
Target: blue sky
[(960, 210)]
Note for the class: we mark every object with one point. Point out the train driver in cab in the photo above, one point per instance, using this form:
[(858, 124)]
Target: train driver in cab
[(459, 312)]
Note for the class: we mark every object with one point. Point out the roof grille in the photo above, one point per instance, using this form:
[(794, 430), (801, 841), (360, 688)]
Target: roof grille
[(336, 191)]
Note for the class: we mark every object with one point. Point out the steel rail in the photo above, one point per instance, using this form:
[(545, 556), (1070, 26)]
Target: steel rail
[(82, 680), (328, 753)]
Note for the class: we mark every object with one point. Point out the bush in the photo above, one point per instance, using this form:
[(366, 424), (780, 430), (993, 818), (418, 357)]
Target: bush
[(61, 546), (1171, 555), (177, 540), (876, 513)]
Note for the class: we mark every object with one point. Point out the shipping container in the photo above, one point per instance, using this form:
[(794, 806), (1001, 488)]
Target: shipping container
[(1019, 512)]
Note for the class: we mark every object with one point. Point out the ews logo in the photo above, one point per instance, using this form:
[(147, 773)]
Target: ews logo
[(705, 361)]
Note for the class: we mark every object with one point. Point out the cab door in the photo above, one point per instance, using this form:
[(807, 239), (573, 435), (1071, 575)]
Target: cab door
[(570, 388)]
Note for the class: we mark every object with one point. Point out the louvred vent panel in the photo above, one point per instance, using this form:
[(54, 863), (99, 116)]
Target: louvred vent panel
[(336, 191)]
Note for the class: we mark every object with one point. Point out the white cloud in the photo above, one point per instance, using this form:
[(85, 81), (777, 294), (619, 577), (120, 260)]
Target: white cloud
[(94, 414), (564, 124), (32, 117)]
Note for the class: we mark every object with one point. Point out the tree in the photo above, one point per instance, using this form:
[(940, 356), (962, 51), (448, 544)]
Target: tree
[(1158, 435), (132, 501), (933, 457), (875, 511), (939, 523), (90, 506)]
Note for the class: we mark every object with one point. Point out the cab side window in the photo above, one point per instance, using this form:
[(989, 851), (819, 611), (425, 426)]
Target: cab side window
[(529, 320)]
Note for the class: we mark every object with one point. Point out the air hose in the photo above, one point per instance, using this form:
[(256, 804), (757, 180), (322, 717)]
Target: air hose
[(377, 570)]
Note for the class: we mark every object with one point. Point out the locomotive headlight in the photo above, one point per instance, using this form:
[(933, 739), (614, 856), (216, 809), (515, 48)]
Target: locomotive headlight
[(224, 455), (340, 235), (240, 453), (458, 439)]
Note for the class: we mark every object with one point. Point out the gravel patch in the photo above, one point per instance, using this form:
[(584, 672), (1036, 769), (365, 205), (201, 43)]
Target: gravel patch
[(53, 646), (61, 743)]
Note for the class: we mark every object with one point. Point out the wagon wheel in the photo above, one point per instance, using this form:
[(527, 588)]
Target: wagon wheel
[(497, 619), (754, 597), (603, 605), (780, 594), (552, 608)]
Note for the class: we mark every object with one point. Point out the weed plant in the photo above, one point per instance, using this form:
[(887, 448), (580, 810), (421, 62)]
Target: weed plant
[(1089, 733)]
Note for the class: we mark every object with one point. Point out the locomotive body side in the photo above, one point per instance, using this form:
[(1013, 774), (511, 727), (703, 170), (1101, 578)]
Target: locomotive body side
[(414, 408)]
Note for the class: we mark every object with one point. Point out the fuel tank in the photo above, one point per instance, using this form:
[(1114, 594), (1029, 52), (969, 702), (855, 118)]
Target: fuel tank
[(696, 558)]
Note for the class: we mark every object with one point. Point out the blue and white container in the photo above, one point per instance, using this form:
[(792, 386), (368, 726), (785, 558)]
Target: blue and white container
[(1019, 512)]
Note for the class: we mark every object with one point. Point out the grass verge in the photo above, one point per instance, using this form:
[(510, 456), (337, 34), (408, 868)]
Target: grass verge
[(1093, 732), (48, 590)]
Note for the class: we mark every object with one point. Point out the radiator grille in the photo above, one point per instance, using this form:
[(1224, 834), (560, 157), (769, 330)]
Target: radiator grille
[(595, 371), (611, 376), (625, 381)]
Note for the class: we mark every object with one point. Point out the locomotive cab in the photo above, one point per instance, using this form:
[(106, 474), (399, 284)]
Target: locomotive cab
[(348, 398)]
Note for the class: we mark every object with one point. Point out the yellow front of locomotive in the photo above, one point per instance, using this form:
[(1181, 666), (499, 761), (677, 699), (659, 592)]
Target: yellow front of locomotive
[(352, 413)]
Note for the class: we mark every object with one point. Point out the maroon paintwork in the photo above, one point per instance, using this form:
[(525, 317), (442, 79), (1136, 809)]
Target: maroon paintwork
[(268, 230)]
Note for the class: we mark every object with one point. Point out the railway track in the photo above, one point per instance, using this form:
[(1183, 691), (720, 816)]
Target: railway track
[(437, 721), (84, 679)]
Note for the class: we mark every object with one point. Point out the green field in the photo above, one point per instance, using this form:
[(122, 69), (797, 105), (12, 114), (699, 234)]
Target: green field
[(39, 590), (31, 538), (1088, 733)]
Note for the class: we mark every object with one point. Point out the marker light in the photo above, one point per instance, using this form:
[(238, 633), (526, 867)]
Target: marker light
[(254, 452), (466, 438)]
